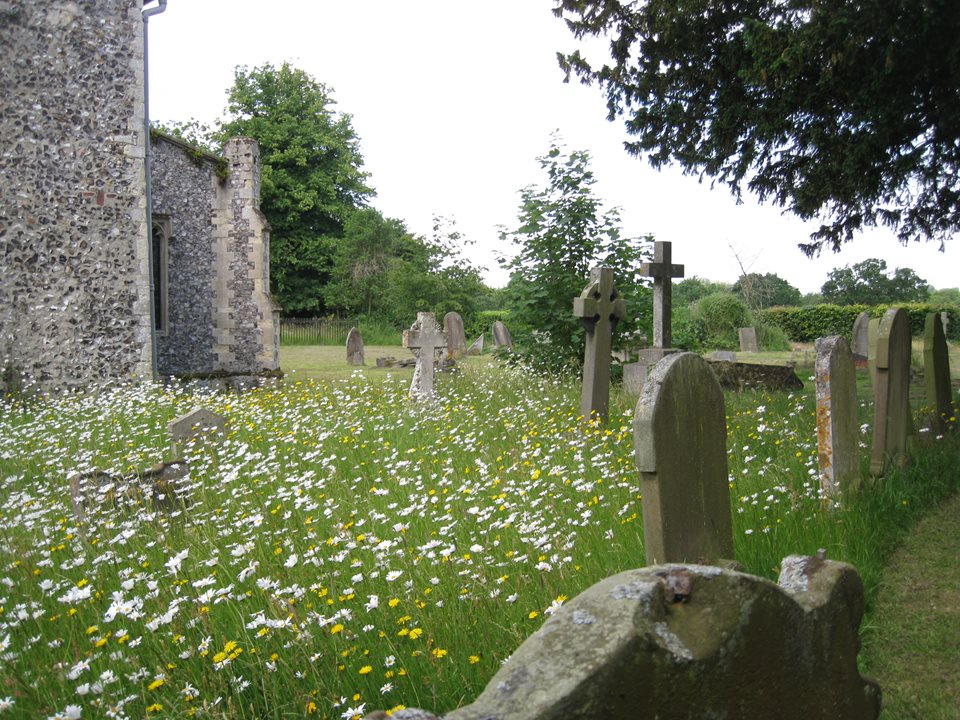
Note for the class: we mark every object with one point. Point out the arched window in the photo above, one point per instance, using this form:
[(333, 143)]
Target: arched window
[(160, 249)]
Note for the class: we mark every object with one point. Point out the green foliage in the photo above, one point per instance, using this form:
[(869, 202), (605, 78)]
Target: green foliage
[(760, 291), (688, 330), (193, 132), (721, 315), (562, 233), (806, 324), (945, 296), (311, 175), (690, 290), (843, 112), (868, 283)]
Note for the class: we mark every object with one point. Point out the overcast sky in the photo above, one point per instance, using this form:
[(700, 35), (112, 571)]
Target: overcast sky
[(454, 101)]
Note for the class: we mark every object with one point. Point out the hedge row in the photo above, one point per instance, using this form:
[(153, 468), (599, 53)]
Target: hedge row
[(806, 324)]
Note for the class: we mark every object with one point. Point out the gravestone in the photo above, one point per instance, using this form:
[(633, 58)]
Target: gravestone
[(945, 321), (662, 270), (680, 437), (891, 368), (838, 432), (354, 347), (198, 423), (861, 339), (599, 308), (936, 371), (748, 340), (678, 642), (476, 347), (456, 338), (724, 355), (751, 376), (501, 336), (423, 338)]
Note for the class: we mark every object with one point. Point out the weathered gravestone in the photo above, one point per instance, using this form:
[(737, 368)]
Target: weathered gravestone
[(684, 642), (680, 437), (423, 338), (748, 340), (838, 441), (936, 370), (945, 321), (354, 347), (599, 309), (662, 270), (750, 376), (164, 486), (890, 365), (196, 424), (501, 336), (476, 347), (456, 337), (861, 339)]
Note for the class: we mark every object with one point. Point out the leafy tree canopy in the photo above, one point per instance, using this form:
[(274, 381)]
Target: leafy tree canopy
[(845, 112), (311, 174), (691, 289), (562, 233), (760, 291), (869, 283), (945, 296)]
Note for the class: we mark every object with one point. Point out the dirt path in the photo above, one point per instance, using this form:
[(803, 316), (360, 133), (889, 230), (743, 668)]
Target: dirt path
[(912, 647)]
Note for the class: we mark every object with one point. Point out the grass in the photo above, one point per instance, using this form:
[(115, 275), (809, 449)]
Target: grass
[(344, 549)]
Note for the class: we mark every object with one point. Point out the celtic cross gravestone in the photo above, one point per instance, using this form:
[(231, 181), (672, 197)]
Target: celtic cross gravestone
[(423, 338), (599, 309)]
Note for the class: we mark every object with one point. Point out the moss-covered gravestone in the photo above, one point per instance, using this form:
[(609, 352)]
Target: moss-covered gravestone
[(890, 366), (936, 370), (680, 436), (838, 437)]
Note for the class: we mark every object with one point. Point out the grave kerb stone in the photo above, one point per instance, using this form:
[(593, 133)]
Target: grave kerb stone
[(599, 308), (679, 431)]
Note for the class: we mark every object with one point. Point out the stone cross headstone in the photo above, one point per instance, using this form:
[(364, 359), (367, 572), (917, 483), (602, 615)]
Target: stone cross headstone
[(892, 421), (501, 336), (680, 437), (476, 347), (838, 441), (423, 338), (936, 371), (662, 270), (748, 340), (200, 422), (861, 337), (354, 347), (599, 309), (456, 338)]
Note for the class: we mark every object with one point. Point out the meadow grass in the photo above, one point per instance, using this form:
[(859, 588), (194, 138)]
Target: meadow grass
[(345, 549)]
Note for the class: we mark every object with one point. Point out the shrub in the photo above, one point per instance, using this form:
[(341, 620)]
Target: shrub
[(721, 315)]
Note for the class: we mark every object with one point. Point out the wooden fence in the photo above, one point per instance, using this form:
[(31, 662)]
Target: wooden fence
[(315, 331)]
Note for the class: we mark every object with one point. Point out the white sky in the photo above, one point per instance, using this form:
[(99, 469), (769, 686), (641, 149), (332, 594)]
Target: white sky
[(454, 101)]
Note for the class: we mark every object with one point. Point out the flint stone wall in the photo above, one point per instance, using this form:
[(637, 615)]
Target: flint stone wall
[(74, 280), (184, 192)]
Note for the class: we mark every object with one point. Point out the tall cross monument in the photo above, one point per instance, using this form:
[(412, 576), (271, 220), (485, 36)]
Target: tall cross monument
[(662, 270), (599, 309), (423, 338)]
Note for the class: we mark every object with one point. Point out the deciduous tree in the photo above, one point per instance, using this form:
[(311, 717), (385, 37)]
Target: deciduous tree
[(562, 232), (844, 112), (869, 283)]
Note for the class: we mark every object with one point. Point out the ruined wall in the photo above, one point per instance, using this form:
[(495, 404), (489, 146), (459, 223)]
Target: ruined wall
[(184, 192), (248, 318), (74, 280)]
